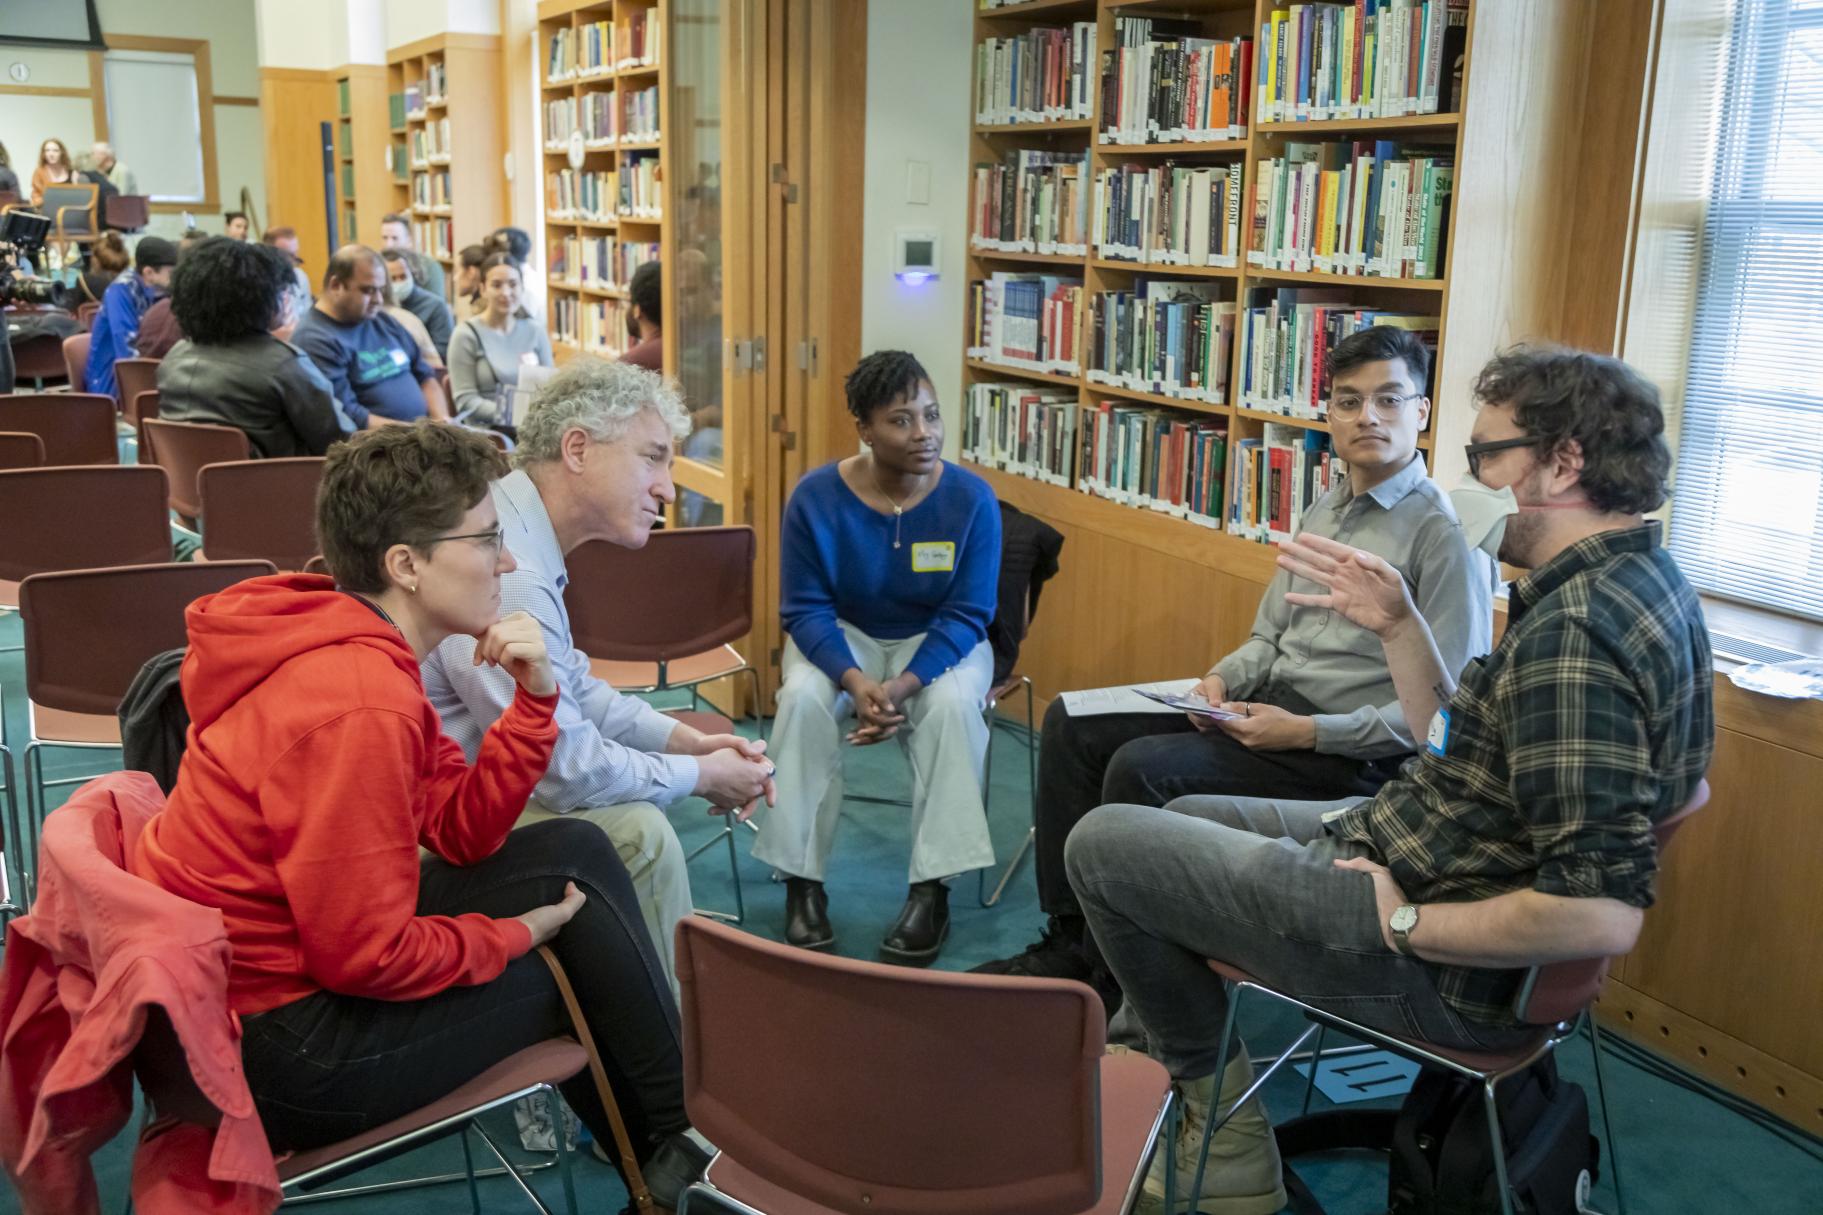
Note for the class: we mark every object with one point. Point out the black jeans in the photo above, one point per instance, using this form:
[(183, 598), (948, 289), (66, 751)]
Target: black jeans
[(1146, 759), (330, 1066)]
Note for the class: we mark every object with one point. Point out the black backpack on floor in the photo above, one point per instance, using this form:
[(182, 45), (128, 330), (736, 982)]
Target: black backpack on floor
[(1441, 1159)]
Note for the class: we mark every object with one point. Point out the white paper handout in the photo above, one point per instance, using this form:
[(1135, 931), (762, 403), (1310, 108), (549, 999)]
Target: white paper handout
[(1097, 702)]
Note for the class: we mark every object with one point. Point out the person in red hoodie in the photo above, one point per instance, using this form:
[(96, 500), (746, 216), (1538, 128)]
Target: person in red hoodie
[(369, 985)]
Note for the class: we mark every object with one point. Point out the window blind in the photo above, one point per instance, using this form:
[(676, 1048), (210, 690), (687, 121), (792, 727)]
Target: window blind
[(155, 122), (1747, 517)]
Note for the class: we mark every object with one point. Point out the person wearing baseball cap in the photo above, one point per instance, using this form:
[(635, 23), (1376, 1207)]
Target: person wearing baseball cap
[(115, 332)]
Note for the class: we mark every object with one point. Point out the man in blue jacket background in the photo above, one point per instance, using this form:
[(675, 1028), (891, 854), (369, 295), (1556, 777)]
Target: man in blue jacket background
[(116, 327)]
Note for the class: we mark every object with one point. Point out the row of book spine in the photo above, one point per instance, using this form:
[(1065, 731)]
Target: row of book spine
[(430, 141), (1169, 214), (1028, 321), (602, 262), (430, 189), (1171, 338), (641, 193), (1032, 202), (1042, 75), (581, 194), (598, 47), (1277, 477), (637, 40), (604, 327), (1366, 59), (1161, 83), (1025, 429), (639, 113), (434, 236), (1152, 459), (1286, 337), (1362, 208), (395, 109)]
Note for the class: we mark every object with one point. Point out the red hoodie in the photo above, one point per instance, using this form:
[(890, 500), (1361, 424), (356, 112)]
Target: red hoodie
[(313, 770)]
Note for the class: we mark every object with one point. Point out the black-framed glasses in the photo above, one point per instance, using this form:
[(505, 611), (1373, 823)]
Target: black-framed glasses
[(495, 540), (1385, 404), (1474, 451)]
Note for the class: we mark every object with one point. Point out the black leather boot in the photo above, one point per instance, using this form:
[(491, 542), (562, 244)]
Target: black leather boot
[(807, 915), (917, 935)]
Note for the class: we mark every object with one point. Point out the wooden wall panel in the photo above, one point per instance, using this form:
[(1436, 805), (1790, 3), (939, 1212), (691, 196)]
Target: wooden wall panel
[(293, 101)]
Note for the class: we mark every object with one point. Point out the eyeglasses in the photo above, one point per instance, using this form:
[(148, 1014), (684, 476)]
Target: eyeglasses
[(493, 541), (1474, 451), (1384, 404)]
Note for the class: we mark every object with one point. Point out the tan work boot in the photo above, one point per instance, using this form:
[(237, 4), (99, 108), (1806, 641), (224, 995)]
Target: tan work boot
[(1243, 1176)]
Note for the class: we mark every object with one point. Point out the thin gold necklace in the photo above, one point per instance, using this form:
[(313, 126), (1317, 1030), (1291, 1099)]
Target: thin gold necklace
[(898, 511)]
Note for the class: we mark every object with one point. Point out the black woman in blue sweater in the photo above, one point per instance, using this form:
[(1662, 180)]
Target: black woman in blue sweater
[(889, 563)]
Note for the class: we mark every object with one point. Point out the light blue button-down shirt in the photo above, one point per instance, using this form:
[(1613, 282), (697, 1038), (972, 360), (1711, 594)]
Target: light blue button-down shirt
[(610, 748)]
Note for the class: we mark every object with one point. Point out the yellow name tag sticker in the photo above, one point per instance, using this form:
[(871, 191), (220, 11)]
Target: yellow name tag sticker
[(933, 557)]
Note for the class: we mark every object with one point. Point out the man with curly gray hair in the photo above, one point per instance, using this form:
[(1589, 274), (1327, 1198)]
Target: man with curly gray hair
[(594, 463)]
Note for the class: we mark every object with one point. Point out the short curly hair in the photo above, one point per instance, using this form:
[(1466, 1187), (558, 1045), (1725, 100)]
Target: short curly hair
[(882, 378), (646, 291), (600, 397), (398, 485), (1608, 409), (225, 289)]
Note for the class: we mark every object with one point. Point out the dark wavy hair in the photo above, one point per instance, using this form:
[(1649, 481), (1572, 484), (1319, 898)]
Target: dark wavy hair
[(398, 485), (226, 289), (1383, 344), (646, 291), (1608, 409), (882, 378)]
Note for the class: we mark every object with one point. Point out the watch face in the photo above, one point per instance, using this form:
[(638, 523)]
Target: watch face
[(1405, 919)]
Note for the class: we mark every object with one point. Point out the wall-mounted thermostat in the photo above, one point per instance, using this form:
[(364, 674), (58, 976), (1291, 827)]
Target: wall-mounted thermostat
[(915, 254)]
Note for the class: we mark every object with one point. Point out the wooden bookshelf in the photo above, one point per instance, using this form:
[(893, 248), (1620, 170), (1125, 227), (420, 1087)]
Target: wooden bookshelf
[(363, 178), (588, 312), (1188, 591), (446, 141)]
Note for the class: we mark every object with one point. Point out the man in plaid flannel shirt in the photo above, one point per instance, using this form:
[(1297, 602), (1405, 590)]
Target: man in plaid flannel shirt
[(1521, 835)]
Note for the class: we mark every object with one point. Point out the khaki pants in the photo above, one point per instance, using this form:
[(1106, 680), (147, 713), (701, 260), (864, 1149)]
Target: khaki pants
[(654, 858)]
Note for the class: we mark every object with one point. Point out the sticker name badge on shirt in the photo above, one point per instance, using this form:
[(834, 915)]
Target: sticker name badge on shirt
[(933, 556), (1438, 740)]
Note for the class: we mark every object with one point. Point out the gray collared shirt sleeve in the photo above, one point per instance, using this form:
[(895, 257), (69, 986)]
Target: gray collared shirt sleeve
[(1244, 671)]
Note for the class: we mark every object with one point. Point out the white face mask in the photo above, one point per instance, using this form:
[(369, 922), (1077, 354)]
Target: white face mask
[(1483, 513)]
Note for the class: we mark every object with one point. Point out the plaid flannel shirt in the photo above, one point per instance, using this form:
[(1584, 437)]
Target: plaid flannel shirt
[(1590, 721)]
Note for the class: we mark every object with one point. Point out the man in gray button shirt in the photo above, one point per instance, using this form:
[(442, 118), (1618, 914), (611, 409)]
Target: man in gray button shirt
[(1321, 719)]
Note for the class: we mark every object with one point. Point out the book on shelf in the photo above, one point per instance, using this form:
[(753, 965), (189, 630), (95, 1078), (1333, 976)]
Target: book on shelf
[(414, 99), (637, 40), (397, 163), (595, 54), (1150, 458), (395, 109), (341, 91), (1370, 59), (1171, 338), (1169, 214), (430, 189), (1162, 82), (1032, 202), (1374, 208), (436, 84), (1025, 429), (560, 62), (344, 139), (603, 326), (600, 118), (559, 122), (347, 176), (1026, 321), (1042, 75), (566, 318), (430, 142), (1286, 336), (1278, 477), (433, 236), (581, 194), (638, 114), (641, 194)]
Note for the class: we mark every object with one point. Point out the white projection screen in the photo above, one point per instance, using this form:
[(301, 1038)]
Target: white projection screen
[(155, 122), (50, 23)]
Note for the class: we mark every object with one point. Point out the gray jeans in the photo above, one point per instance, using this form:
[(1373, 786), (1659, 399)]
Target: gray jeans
[(1251, 882)]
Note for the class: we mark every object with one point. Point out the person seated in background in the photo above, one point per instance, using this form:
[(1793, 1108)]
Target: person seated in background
[(374, 367), (888, 562), (395, 233), (285, 240), (367, 984), (405, 271), (468, 281), (229, 296), (517, 244), (645, 319), (108, 259), (115, 329), (1522, 833), (396, 290), (234, 225), (488, 350), (159, 331), (9, 180), (123, 179), (54, 169), (594, 459), (1319, 715)]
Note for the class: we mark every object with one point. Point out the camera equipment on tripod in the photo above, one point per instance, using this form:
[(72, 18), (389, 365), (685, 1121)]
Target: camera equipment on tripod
[(22, 235)]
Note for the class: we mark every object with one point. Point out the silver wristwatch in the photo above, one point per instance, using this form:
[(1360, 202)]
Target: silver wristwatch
[(1405, 918)]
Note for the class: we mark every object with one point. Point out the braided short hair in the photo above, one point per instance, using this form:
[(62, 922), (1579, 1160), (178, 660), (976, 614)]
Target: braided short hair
[(881, 378)]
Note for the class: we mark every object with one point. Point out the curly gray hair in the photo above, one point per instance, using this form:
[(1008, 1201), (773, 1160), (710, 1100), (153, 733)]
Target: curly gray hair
[(602, 398)]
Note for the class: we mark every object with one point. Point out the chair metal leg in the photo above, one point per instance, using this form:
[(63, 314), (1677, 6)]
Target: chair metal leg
[(468, 1168), (565, 1151), (1499, 1146), (1310, 1081), (1221, 1069), (1031, 835), (487, 1141), (1601, 1100)]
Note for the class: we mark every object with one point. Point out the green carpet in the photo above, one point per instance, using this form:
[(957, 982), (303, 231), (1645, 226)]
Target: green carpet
[(1681, 1151)]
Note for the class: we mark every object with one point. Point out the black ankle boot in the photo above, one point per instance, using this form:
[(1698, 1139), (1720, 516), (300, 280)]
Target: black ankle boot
[(923, 922), (807, 915)]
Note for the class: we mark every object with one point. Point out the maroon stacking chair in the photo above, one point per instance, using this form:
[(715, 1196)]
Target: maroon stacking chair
[(80, 517), (263, 509), (183, 450), (137, 408), (77, 427), (20, 449), (76, 361), (134, 376), (39, 360), (1554, 998), (852, 1105), (85, 314)]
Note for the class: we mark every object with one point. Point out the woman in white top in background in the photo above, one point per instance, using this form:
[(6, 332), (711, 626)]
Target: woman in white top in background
[(487, 351)]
